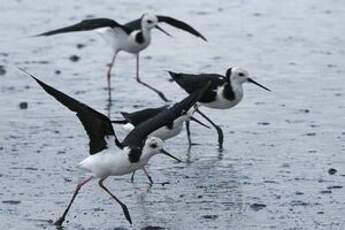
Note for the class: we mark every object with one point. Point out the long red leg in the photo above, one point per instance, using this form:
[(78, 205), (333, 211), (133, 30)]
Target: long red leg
[(160, 94), (109, 74), (123, 206), (148, 176), (62, 218)]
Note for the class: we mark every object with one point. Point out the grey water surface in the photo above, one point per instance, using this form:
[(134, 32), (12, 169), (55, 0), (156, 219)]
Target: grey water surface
[(279, 146)]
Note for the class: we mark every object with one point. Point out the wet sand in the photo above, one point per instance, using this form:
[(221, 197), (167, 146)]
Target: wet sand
[(279, 146)]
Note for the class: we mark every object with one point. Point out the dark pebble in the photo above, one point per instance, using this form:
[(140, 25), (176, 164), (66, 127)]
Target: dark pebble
[(57, 72), (74, 58), (325, 192), (31, 168), (11, 202), (98, 209), (335, 187), (264, 123), (210, 217), (257, 207), (332, 171), (80, 46), (2, 70), (311, 134), (152, 228), (23, 105)]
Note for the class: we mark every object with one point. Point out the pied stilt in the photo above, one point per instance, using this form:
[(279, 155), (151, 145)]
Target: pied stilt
[(223, 93), (131, 37), (136, 149)]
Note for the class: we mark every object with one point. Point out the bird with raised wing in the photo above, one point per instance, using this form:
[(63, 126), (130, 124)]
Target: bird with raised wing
[(133, 152), (133, 119), (131, 37), (224, 92)]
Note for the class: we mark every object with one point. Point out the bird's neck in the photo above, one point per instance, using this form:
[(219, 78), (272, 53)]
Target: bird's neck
[(233, 90), (146, 32), (146, 155)]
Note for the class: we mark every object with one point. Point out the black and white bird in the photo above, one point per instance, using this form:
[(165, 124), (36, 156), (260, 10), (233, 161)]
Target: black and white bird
[(131, 37), (133, 119), (223, 93), (108, 155)]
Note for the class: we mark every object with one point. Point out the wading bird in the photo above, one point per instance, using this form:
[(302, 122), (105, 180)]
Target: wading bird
[(223, 93), (131, 37), (131, 120), (108, 155)]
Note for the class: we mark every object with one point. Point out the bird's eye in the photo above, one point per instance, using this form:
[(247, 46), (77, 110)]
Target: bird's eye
[(153, 145), (241, 74), (149, 21)]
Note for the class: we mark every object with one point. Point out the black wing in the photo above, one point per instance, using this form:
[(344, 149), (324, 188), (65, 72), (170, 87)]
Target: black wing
[(85, 25), (97, 125), (192, 82), (136, 138), (181, 25), (133, 25), (140, 116)]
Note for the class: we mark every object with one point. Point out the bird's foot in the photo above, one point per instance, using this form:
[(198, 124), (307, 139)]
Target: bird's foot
[(59, 222)]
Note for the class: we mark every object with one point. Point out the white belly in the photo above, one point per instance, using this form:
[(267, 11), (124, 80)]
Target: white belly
[(163, 133), (120, 40), (223, 103), (109, 163)]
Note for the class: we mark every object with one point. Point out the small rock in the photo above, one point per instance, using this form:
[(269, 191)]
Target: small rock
[(152, 228), (335, 187), (57, 72), (311, 134), (264, 123), (210, 217), (14, 202), (2, 70), (257, 206), (325, 192), (23, 105), (74, 58), (332, 171), (80, 46)]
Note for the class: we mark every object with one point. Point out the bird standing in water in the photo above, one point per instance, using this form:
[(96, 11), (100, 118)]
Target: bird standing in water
[(224, 92), (131, 37), (135, 150)]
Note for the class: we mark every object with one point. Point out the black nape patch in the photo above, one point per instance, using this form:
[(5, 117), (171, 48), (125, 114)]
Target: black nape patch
[(134, 155), (228, 73), (228, 92), (139, 38)]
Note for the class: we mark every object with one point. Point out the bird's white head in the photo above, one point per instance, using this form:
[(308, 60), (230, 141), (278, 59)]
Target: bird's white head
[(237, 75), (149, 21), (153, 146)]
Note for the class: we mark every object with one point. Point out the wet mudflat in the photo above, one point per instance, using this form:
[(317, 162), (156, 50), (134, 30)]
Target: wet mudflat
[(283, 166)]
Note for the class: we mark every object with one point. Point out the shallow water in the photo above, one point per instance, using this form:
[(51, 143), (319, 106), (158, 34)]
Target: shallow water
[(279, 146)]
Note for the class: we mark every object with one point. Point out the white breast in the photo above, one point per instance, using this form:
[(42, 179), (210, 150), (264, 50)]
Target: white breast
[(223, 103)]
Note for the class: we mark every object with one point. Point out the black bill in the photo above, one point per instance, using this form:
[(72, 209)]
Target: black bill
[(169, 155), (255, 83), (160, 28)]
